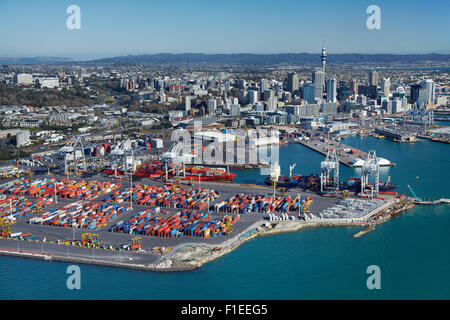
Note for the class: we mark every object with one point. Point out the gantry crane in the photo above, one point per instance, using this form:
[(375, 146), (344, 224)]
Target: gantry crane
[(5, 225), (331, 164), (228, 224), (72, 161), (90, 239), (371, 166), (136, 243)]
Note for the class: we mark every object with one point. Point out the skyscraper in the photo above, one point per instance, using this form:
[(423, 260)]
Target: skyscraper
[(212, 105), (354, 86), (292, 82), (264, 85), (187, 104), (331, 90), (308, 92), (427, 94), (318, 78), (386, 86), (373, 78)]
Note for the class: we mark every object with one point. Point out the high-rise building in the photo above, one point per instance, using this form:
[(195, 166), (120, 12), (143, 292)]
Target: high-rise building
[(427, 94), (212, 106), (264, 85), (252, 96), (318, 78), (414, 94), (22, 137), (354, 86), (187, 103), (373, 78), (308, 90), (331, 90), (292, 82), (235, 110), (386, 86)]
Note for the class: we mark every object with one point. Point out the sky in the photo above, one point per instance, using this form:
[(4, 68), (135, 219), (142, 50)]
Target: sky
[(31, 28)]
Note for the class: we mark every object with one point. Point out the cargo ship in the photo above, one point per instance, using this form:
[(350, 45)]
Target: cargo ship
[(208, 174), (313, 181), (354, 184), (156, 170)]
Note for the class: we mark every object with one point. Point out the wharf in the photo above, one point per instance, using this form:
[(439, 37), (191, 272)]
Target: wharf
[(364, 231), (394, 135), (348, 159), (431, 138), (432, 202), (188, 253)]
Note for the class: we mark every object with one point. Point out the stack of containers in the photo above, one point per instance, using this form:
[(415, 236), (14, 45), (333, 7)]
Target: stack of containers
[(241, 203), (46, 187), (14, 207), (186, 222), (81, 214), (193, 199)]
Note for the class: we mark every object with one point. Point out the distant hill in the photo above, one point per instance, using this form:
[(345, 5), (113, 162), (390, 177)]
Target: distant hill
[(34, 60), (273, 59), (244, 59)]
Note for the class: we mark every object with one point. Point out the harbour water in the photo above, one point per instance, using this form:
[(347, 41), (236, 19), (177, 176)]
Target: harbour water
[(324, 263)]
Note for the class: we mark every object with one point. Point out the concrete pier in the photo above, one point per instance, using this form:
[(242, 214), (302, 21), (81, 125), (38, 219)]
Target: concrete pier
[(345, 152)]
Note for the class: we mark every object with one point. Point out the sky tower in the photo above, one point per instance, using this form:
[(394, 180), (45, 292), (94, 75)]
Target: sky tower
[(323, 56)]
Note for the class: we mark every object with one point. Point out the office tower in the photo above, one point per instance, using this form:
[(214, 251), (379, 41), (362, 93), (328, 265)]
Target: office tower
[(235, 110), (373, 78), (292, 82), (252, 96), (386, 86), (242, 84), (427, 94), (414, 94), (187, 104), (331, 90), (354, 86), (318, 78), (264, 85), (308, 90), (212, 105)]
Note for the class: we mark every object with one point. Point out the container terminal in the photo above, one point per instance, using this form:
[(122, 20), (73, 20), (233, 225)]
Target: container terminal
[(165, 223)]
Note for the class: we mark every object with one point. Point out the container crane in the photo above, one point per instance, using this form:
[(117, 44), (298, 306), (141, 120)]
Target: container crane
[(74, 159), (414, 194), (371, 166), (291, 167), (330, 165)]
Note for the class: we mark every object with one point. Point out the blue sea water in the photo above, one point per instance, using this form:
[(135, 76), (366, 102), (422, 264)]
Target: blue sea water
[(411, 250)]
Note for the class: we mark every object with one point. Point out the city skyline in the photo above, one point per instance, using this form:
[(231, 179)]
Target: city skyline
[(113, 29)]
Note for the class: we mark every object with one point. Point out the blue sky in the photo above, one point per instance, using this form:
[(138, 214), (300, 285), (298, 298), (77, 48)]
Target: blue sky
[(111, 28)]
